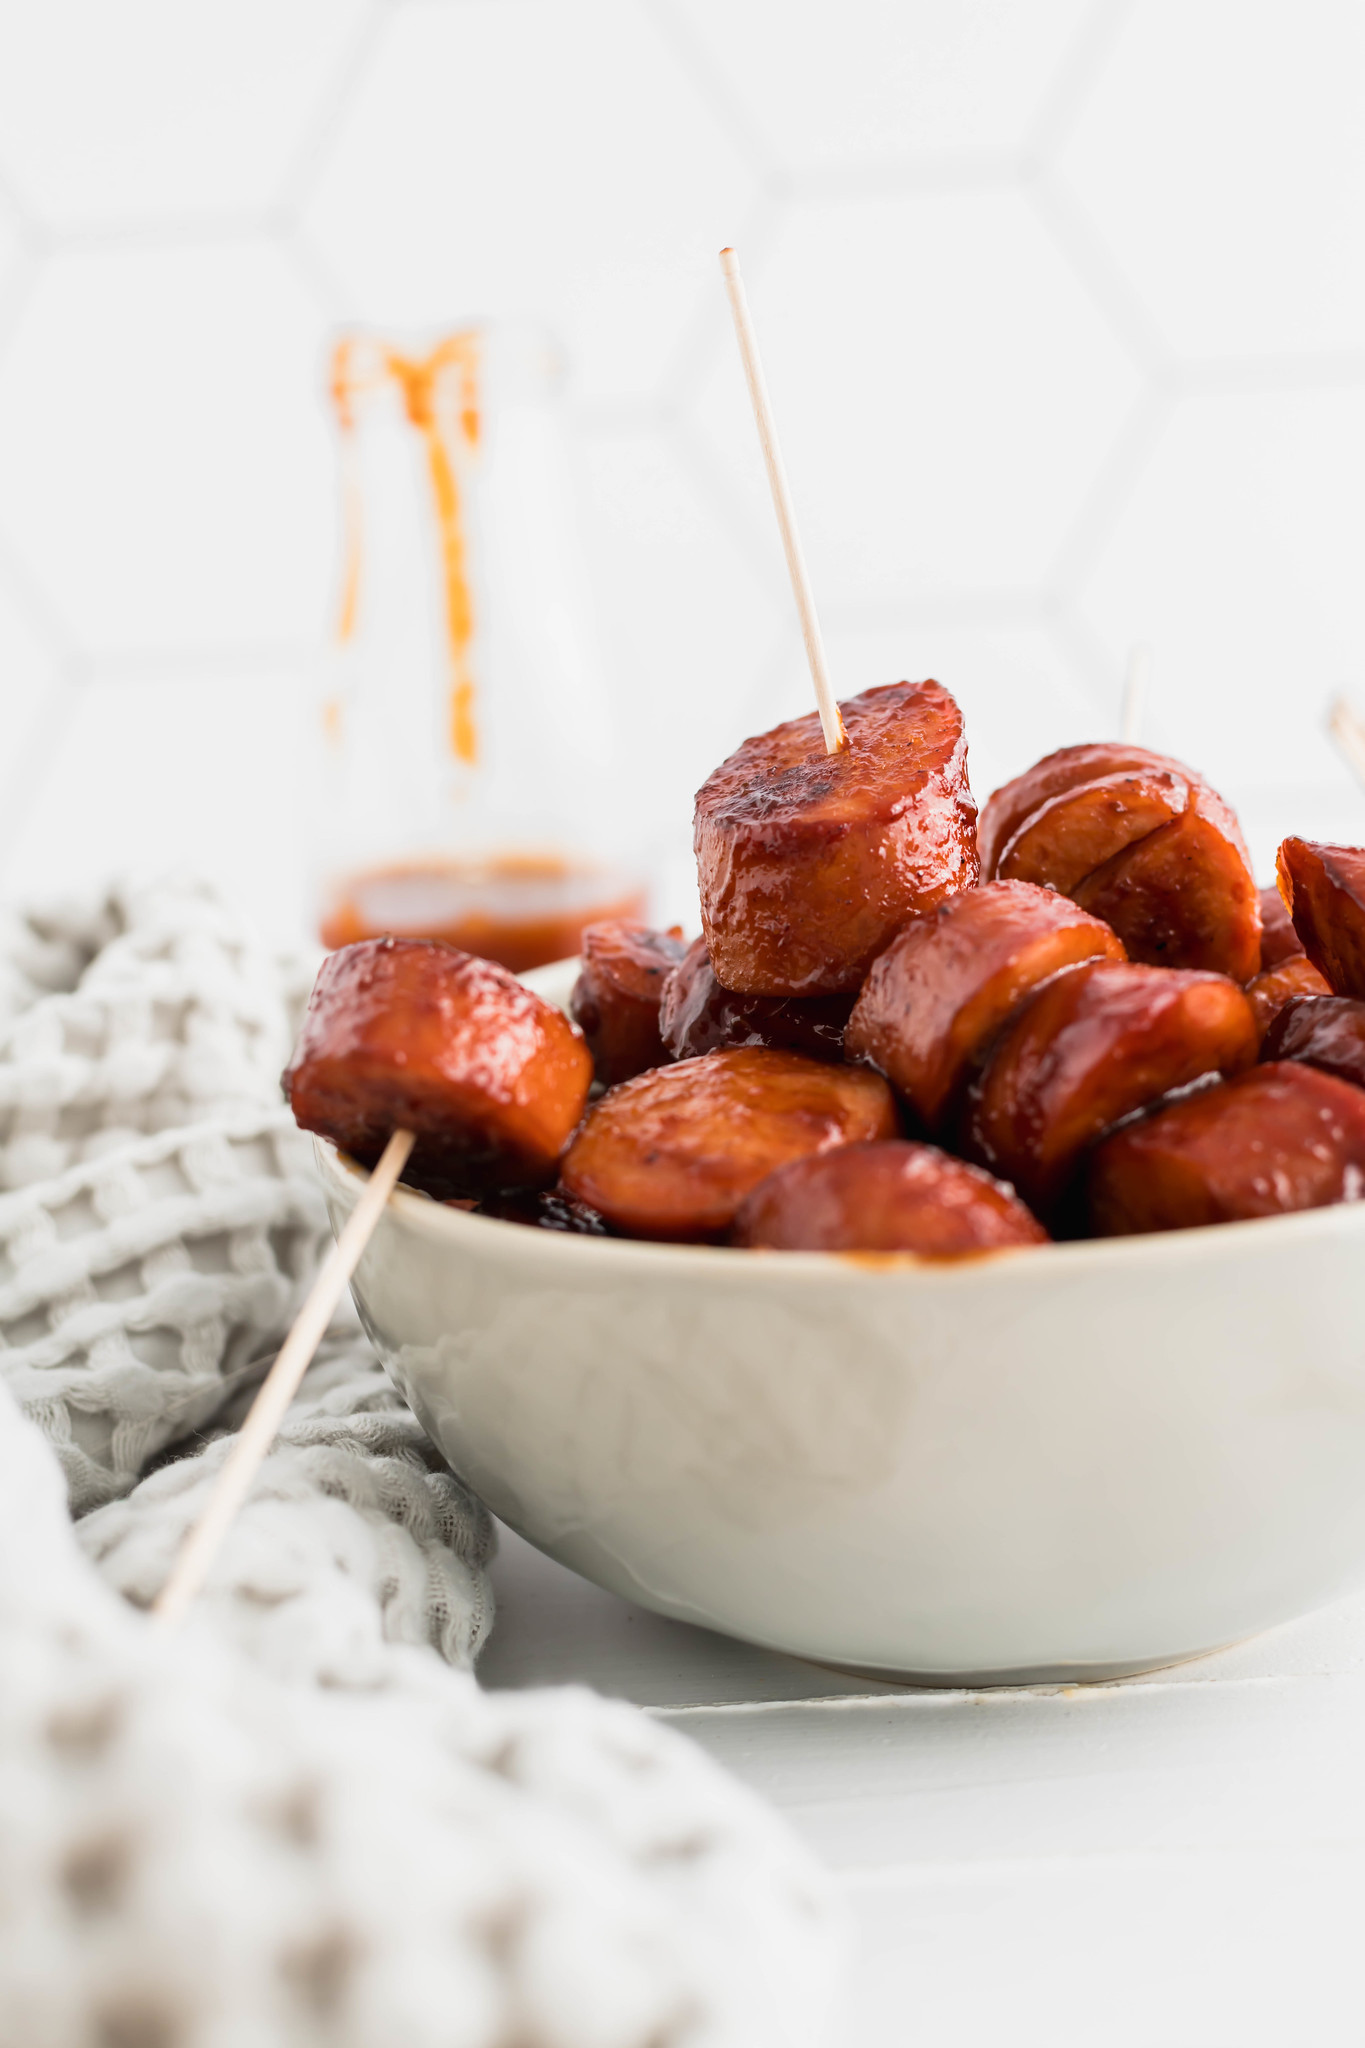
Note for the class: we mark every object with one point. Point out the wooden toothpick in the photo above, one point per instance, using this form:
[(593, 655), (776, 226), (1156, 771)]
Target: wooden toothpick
[(831, 723), (278, 1388), (1135, 694), (1348, 730)]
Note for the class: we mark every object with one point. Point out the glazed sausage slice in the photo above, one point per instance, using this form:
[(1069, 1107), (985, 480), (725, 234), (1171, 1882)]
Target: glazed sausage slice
[(1074, 833), (1282, 1137), (810, 862), (1324, 888), (947, 984), (1270, 991), (1279, 940), (1169, 869), (697, 1015), (673, 1153), (615, 1001), (1090, 1048), (1015, 802), (410, 1034), (1323, 1031), (1184, 896), (896, 1197)]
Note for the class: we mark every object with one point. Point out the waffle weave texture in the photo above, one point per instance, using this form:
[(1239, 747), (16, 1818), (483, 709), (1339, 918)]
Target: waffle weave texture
[(298, 1821)]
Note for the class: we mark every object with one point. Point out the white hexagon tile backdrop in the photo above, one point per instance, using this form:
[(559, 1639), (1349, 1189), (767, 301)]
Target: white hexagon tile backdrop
[(1064, 311)]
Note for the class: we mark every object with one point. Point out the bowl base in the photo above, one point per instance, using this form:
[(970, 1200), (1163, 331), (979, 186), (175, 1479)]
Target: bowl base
[(1014, 1679)]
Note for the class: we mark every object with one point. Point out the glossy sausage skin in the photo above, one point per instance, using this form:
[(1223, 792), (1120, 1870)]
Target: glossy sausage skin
[(615, 1001), (809, 863), (1184, 896), (673, 1153), (897, 1197), (697, 1015), (1324, 888), (1270, 992), (1279, 940), (1139, 840), (413, 1035), (947, 985), (1323, 1031), (1077, 831), (1282, 1137), (1010, 807), (1090, 1048)]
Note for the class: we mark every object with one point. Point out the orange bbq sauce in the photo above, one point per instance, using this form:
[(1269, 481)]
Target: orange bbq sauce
[(520, 911)]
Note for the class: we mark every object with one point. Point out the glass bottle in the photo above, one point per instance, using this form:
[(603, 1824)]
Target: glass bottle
[(468, 745)]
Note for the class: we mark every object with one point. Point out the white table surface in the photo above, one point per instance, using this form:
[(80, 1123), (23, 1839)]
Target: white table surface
[(1177, 1860)]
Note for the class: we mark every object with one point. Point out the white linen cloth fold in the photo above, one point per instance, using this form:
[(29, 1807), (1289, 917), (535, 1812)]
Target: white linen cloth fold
[(299, 1820)]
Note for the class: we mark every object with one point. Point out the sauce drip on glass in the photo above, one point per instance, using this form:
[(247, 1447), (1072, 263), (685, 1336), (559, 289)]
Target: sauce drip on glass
[(520, 909), (440, 393)]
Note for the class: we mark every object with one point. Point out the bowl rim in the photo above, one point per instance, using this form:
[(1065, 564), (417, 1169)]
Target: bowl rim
[(1209, 1243)]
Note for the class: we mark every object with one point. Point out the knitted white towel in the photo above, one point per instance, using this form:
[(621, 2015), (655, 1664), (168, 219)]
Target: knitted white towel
[(195, 1854), (294, 1823), (179, 1015), (355, 1535)]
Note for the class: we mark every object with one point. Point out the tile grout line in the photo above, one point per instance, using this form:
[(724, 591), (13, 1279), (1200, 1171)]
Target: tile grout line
[(308, 162), (1075, 76)]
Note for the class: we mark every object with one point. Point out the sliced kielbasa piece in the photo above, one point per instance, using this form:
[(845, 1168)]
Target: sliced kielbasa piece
[(947, 985), (1324, 888), (1279, 940), (615, 1001), (1184, 896), (889, 1197), (1077, 831), (1269, 992), (1090, 1048), (808, 862), (697, 1015), (1139, 840), (1014, 803), (409, 1034), (673, 1153), (1282, 1137), (1323, 1031)]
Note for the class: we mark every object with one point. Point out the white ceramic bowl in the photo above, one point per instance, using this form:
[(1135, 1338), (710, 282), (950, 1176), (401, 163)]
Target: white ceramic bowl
[(1058, 1463)]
